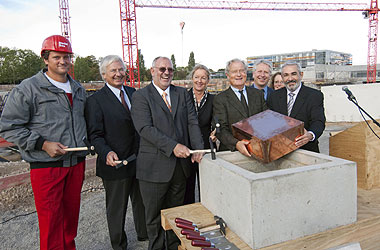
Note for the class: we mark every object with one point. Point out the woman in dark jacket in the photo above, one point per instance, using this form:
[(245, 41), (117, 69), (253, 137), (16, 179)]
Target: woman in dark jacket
[(200, 76)]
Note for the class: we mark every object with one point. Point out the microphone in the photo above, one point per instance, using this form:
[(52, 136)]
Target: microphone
[(349, 93)]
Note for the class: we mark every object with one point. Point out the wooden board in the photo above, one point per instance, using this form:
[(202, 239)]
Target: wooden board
[(358, 144), (271, 134), (366, 230), (199, 215)]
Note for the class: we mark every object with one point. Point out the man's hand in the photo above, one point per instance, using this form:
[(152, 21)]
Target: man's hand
[(303, 139), (181, 151), (197, 157), (212, 136), (240, 145), (111, 158), (53, 149)]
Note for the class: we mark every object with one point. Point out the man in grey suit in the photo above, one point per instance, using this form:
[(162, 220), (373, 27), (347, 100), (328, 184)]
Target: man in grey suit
[(164, 117), (235, 104)]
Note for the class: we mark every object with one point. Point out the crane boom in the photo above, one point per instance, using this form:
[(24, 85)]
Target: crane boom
[(250, 5), (371, 12)]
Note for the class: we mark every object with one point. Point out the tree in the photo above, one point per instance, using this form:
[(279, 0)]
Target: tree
[(86, 69), (191, 63), (144, 72), (172, 58), (17, 65)]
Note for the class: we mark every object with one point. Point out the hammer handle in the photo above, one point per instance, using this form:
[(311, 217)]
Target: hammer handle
[(200, 151), (76, 149)]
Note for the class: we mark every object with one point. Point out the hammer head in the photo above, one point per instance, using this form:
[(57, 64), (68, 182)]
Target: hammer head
[(91, 149), (221, 223), (213, 150)]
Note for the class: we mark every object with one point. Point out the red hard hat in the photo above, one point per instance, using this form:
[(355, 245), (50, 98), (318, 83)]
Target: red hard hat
[(56, 43)]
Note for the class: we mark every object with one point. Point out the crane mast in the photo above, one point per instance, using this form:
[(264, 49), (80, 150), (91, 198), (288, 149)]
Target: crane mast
[(64, 16), (372, 15), (129, 41)]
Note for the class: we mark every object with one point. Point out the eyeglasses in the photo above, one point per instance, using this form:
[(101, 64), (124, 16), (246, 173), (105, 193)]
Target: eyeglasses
[(163, 69)]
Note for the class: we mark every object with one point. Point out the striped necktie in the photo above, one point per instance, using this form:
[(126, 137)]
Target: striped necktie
[(290, 102), (166, 101)]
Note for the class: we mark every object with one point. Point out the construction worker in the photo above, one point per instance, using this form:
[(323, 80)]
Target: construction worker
[(43, 116)]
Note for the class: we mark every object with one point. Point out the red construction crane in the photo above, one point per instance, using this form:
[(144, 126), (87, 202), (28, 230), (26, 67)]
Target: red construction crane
[(64, 16), (128, 15), (129, 41)]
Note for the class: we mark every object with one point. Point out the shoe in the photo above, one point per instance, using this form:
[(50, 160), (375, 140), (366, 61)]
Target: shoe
[(142, 238)]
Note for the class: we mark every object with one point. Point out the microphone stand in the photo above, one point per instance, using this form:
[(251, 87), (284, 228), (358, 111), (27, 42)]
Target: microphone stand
[(353, 100)]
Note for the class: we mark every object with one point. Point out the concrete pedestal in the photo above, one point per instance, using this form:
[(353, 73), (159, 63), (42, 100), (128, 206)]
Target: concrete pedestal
[(300, 194)]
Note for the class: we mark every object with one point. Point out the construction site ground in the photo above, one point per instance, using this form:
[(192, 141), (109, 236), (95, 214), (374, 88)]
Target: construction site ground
[(19, 224)]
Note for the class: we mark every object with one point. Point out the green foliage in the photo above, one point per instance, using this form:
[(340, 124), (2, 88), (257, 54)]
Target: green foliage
[(144, 72), (17, 65), (86, 69), (191, 62), (172, 58), (181, 73)]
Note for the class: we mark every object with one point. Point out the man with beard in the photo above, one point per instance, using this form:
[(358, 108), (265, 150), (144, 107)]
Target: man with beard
[(262, 71), (302, 103)]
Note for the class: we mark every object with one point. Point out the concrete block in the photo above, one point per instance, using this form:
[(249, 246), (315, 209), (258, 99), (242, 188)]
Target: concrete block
[(300, 194)]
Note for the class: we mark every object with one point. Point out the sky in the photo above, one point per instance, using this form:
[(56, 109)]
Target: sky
[(215, 36)]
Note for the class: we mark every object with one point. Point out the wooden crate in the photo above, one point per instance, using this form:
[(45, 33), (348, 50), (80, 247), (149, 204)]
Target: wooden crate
[(360, 145), (271, 134)]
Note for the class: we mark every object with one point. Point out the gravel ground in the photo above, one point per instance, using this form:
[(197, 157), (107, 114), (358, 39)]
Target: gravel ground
[(22, 232)]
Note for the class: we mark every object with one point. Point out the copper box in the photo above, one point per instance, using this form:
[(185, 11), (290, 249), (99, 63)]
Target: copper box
[(271, 134)]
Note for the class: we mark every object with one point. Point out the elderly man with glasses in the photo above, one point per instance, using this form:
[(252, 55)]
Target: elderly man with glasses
[(165, 118)]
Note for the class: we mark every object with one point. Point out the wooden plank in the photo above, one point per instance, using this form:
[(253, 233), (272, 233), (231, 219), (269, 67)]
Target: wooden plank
[(358, 144), (199, 215), (366, 232)]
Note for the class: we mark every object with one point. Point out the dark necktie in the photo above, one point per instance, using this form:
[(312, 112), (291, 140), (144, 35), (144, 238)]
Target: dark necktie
[(123, 100), (243, 102), (263, 92)]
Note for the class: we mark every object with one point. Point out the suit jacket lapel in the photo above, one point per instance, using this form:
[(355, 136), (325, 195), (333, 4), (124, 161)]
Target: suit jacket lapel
[(235, 102), (174, 99), (283, 102), (158, 98), (113, 99), (298, 102), (129, 94)]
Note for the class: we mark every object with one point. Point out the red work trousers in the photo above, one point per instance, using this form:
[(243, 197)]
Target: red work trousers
[(57, 198)]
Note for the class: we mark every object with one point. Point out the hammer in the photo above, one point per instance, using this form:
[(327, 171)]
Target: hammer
[(125, 162), (211, 150), (87, 148)]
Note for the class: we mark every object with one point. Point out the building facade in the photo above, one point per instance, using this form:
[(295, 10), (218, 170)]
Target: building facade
[(306, 59)]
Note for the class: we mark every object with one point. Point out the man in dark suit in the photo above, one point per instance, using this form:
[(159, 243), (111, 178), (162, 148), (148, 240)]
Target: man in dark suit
[(262, 70), (235, 104), (165, 118), (302, 103), (111, 131)]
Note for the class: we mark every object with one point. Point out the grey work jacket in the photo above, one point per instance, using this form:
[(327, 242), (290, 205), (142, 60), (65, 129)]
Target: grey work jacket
[(36, 111)]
